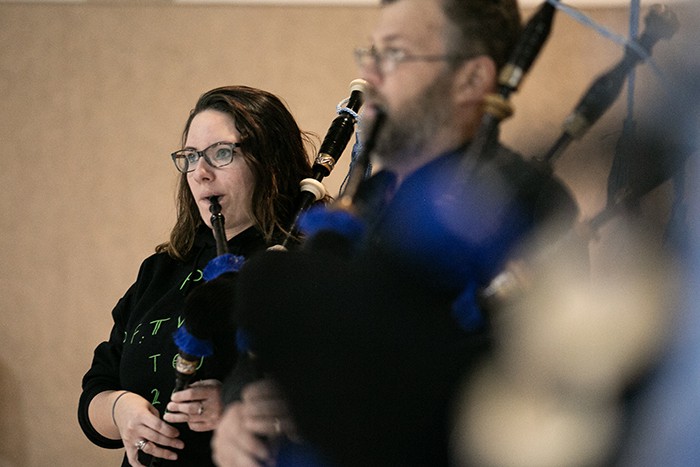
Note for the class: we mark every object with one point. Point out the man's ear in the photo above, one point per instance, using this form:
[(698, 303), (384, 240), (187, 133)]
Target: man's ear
[(474, 79)]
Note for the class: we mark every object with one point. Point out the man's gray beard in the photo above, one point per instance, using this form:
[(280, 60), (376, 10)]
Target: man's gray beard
[(409, 132)]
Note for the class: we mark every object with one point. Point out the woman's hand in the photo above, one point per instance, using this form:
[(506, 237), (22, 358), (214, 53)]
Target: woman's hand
[(141, 428), (249, 429), (199, 406)]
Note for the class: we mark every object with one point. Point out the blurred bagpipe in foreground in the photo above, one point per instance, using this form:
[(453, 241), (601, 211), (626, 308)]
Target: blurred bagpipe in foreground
[(589, 373)]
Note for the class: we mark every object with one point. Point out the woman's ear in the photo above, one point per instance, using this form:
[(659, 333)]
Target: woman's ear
[(474, 79)]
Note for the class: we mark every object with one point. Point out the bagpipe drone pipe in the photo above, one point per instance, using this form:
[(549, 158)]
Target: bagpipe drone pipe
[(657, 157), (332, 147), (661, 23)]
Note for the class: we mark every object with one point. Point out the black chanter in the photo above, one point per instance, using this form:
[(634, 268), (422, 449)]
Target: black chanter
[(199, 326), (217, 225), (195, 338)]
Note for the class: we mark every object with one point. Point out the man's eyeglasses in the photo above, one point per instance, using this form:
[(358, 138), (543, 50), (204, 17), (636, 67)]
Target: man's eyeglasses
[(387, 60), (217, 155)]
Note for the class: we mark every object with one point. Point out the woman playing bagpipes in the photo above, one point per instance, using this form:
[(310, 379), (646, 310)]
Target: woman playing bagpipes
[(243, 150)]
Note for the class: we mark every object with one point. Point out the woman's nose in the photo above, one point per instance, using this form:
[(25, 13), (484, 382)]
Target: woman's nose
[(203, 171)]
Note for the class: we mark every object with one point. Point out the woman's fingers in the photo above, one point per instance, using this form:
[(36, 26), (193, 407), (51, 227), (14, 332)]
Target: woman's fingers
[(141, 429), (157, 450), (199, 406)]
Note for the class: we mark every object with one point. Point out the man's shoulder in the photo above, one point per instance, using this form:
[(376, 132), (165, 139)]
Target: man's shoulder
[(538, 187)]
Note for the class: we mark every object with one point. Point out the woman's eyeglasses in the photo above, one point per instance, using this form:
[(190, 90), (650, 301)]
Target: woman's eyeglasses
[(217, 155)]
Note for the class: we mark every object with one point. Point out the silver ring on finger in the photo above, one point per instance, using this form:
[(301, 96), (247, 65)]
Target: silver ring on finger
[(140, 444), (201, 408)]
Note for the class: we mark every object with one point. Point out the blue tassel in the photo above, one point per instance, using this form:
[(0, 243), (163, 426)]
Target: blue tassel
[(221, 264), (465, 309), (319, 218), (191, 345)]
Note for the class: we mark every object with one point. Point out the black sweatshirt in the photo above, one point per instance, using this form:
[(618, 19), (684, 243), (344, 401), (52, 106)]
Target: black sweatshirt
[(140, 353)]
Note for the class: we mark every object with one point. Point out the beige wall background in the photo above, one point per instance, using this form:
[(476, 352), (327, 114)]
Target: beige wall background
[(94, 97)]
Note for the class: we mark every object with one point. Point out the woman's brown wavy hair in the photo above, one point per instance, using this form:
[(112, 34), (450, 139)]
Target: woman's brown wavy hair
[(274, 148)]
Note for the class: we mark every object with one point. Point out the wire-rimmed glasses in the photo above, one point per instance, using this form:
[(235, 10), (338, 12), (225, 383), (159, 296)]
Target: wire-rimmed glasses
[(385, 61)]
